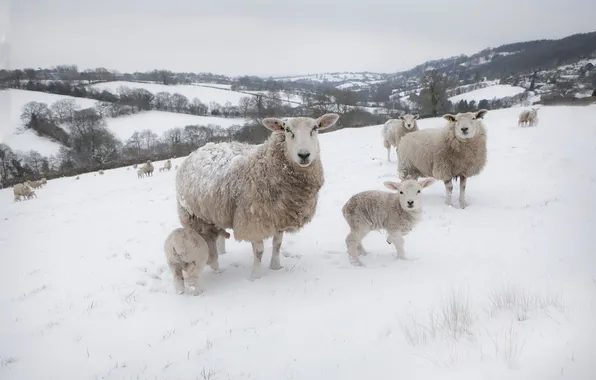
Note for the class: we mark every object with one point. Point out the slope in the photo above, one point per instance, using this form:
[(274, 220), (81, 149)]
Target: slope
[(95, 288)]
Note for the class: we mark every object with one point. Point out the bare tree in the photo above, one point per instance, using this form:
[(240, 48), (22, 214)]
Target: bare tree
[(244, 105), (163, 101), (179, 102), (197, 107), (148, 139), (64, 110), (35, 112)]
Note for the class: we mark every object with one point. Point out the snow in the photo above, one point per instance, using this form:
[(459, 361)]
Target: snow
[(11, 131), (498, 91), (159, 122), (91, 283), (203, 93)]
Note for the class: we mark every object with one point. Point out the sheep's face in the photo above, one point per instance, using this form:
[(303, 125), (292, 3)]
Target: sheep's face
[(302, 140), (409, 192), (466, 125), (409, 121)]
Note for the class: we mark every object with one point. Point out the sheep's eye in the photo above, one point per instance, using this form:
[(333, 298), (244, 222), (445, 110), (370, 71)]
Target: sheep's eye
[(314, 129), (418, 192), (401, 192), (290, 132)]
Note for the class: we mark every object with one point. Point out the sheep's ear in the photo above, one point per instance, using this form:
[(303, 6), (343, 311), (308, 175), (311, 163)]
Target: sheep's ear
[(427, 182), (273, 124), (416, 117), (449, 117), (392, 185), (480, 114), (327, 120), (401, 118)]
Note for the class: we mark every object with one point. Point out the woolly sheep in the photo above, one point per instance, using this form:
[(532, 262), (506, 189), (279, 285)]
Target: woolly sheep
[(22, 190), (374, 210), (141, 172), (148, 168), (167, 166), (395, 129), (100, 172), (187, 250), (457, 150), (259, 191), (528, 117), (34, 184)]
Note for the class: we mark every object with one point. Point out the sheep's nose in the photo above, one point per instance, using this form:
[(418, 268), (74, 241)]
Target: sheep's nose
[(304, 155), (464, 129), (410, 203), (409, 125)]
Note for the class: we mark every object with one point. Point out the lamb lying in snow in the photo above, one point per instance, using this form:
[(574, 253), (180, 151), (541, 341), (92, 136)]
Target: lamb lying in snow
[(374, 210), (187, 250)]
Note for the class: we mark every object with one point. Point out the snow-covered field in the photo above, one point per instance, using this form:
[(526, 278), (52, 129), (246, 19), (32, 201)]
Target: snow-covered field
[(498, 91), (12, 102), (159, 122), (510, 281)]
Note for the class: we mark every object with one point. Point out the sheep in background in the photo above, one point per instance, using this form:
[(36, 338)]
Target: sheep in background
[(141, 172), (43, 181), (395, 129), (186, 250), (77, 178), (457, 150), (22, 190), (100, 172), (148, 168), (134, 166), (166, 166), (528, 117), (259, 191), (374, 210), (34, 184)]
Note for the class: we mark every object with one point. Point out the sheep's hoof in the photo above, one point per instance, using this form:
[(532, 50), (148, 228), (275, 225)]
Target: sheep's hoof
[(357, 263), (195, 291), (275, 266), (463, 205), (255, 275)]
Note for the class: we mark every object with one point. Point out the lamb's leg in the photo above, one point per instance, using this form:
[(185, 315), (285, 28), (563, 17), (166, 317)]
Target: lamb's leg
[(213, 260), (398, 241), (389, 154), (221, 245), (193, 275), (277, 239), (462, 192), (176, 269), (353, 240), (257, 251), (448, 192)]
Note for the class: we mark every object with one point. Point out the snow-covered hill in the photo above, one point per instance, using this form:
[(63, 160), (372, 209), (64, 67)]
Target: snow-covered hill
[(91, 284)]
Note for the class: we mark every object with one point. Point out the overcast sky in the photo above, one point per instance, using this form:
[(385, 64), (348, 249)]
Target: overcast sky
[(274, 37)]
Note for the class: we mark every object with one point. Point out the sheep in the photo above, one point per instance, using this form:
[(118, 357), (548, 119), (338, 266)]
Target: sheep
[(187, 250), (395, 129), (134, 166), (77, 178), (148, 168), (100, 172), (259, 191), (374, 210), (22, 190), (34, 184), (528, 118), (141, 172), (166, 166), (457, 150), (43, 181)]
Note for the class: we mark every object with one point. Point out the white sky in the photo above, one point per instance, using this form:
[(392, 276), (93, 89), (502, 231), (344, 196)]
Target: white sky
[(275, 37)]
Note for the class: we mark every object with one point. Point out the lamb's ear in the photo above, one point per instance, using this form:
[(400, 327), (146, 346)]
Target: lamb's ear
[(480, 114), (392, 185), (449, 117), (327, 120), (416, 117), (427, 182), (273, 124)]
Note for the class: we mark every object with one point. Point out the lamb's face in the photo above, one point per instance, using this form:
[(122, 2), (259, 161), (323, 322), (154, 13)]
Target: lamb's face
[(409, 121), (466, 125), (302, 140), (409, 192)]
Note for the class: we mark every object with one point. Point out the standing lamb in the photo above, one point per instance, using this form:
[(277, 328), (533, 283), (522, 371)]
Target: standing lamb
[(22, 190), (148, 168), (186, 250), (166, 166), (457, 150), (259, 191), (395, 129), (374, 210)]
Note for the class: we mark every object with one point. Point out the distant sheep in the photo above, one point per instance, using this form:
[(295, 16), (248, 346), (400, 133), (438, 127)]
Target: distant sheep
[(43, 181), (100, 172), (141, 172), (34, 184), (260, 191), (457, 150), (148, 168), (22, 190), (134, 166), (395, 129), (166, 166), (528, 118), (77, 178), (373, 210), (186, 250)]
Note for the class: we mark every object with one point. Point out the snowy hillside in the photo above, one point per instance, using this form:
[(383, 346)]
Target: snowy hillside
[(159, 122), (11, 131), (498, 91), (510, 280)]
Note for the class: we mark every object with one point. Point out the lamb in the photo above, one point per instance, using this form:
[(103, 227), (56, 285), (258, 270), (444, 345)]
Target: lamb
[(141, 172), (166, 166), (374, 210), (259, 191), (186, 250), (456, 151), (22, 190), (148, 168), (395, 129), (528, 118)]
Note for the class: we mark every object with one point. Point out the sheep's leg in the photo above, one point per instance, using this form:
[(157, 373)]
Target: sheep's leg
[(361, 250), (398, 241), (448, 192), (353, 241), (213, 260), (177, 274), (257, 251), (193, 275), (277, 240), (389, 154), (462, 192), (221, 245)]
